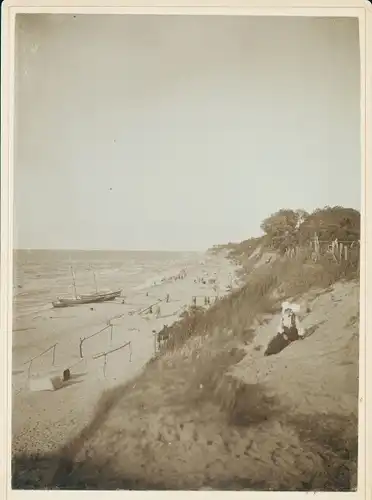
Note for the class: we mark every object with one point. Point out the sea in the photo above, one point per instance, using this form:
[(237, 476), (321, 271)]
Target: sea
[(40, 276)]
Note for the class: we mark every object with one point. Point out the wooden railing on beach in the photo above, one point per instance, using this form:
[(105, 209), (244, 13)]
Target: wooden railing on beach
[(110, 326)]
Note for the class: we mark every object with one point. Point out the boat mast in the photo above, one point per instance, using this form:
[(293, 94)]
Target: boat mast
[(95, 279), (73, 281)]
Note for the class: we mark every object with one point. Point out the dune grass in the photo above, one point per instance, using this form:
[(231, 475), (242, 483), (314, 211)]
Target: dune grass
[(263, 292), (191, 377)]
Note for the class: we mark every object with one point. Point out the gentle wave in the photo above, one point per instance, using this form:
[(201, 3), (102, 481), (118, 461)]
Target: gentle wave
[(41, 276)]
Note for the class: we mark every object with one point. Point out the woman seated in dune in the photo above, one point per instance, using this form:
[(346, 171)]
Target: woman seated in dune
[(289, 329), (289, 325)]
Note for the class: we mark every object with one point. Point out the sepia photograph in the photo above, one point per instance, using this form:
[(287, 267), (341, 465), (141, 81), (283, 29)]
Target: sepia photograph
[(186, 252)]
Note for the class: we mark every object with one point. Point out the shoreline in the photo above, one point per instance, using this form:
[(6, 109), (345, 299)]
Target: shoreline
[(39, 425), (213, 407)]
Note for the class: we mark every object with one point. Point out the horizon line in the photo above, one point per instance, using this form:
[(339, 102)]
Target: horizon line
[(105, 250)]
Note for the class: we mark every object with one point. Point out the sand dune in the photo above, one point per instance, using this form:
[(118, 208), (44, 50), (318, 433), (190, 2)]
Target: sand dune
[(42, 421), (213, 412), (267, 423)]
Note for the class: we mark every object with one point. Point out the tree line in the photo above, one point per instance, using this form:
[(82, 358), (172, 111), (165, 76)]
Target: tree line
[(288, 228)]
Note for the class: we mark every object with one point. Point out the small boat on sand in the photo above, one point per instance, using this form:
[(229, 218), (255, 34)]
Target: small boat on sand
[(90, 298), (103, 295), (86, 299)]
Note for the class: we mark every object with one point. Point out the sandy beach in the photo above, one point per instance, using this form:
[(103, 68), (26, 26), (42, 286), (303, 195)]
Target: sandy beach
[(45, 420)]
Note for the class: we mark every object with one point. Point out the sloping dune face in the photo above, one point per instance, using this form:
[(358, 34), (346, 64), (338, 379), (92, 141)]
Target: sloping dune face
[(226, 417)]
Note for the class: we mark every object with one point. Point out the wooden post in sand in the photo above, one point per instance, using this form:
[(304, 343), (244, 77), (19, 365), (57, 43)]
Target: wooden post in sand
[(29, 370), (81, 347), (30, 361), (104, 365), (346, 250), (54, 354), (111, 330), (105, 354), (130, 351)]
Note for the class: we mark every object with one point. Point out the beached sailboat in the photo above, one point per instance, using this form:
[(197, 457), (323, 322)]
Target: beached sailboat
[(94, 297)]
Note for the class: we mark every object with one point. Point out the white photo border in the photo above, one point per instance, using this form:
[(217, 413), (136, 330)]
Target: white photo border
[(332, 8)]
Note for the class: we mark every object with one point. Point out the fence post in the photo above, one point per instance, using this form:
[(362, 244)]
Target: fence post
[(54, 355), (341, 250), (111, 330), (316, 246), (29, 370), (130, 351), (104, 365), (345, 250), (333, 250)]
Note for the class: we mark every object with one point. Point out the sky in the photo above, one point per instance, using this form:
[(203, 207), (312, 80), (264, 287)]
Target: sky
[(178, 133)]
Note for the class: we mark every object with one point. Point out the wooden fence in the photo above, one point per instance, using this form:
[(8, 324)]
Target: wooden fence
[(154, 308), (337, 250)]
